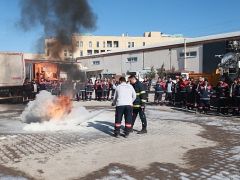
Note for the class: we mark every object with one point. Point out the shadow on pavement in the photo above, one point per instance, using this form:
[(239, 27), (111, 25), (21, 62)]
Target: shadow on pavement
[(103, 126)]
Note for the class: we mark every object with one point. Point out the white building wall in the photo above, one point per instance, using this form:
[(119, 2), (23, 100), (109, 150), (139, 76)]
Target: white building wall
[(119, 64)]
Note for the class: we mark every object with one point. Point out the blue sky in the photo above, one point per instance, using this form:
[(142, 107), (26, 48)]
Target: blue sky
[(188, 17)]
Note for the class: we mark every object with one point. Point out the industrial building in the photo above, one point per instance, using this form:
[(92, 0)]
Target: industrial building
[(198, 55)]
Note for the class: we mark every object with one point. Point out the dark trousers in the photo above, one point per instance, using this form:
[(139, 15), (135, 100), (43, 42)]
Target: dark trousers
[(99, 95), (89, 95), (81, 95), (204, 104), (127, 112), (112, 94), (142, 116), (158, 97), (105, 93), (222, 105)]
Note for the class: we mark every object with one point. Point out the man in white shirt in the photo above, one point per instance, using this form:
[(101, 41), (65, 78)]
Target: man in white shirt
[(123, 99)]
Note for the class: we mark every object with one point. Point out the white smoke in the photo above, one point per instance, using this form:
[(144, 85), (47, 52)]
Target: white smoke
[(36, 117)]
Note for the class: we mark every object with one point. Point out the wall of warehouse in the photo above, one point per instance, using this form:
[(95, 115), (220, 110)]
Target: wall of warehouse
[(137, 61)]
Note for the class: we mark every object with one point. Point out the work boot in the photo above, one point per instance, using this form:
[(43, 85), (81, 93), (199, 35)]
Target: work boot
[(116, 134), (126, 134), (143, 131), (131, 130)]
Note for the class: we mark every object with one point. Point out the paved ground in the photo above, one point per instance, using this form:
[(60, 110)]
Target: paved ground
[(179, 145)]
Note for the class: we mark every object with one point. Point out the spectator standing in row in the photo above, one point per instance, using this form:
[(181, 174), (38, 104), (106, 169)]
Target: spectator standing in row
[(159, 90), (89, 90), (222, 91), (204, 92), (146, 86), (99, 89), (169, 89)]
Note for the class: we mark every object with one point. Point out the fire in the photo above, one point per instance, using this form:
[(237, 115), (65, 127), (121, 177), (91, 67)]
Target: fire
[(61, 106)]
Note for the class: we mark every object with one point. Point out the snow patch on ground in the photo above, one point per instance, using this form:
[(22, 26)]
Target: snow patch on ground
[(117, 173)]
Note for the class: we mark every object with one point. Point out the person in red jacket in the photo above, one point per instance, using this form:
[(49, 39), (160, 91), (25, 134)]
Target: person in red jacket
[(105, 89), (89, 89), (183, 90), (99, 89)]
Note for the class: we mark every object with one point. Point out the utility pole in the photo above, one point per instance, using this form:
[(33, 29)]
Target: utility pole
[(185, 55), (170, 54), (143, 60)]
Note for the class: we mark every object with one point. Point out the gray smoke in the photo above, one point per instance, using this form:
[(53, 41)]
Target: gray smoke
[(59, 18)]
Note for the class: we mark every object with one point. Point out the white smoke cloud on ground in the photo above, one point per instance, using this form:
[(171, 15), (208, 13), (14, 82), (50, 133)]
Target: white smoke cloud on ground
[(36, 117)]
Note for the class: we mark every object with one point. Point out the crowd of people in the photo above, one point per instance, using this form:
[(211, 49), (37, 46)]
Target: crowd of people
[(187, 93), (199, 94)]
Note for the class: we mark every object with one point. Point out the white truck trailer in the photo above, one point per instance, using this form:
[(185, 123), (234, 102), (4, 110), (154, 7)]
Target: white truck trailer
[(12, 75)]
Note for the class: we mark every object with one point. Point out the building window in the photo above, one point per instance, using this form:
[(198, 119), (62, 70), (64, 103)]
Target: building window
[(77, 44), (48, 52), (132, 60), (116, 44), (96, 62), (70, 53), (81, 44), (131, 44), (108, 50), (190, 54), (98, 44), (102, 51), (109, 43), (193, 53), (65, 52), (90, 44), (89, 52), (104, 44), (144, 43), (96, 51), (81, 53)]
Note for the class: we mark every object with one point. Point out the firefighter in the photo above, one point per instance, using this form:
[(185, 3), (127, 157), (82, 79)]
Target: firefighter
[(222, 92), (146, 86), (139, 103), (159, 90), (235, 96), (123, 99), (204, 92), (89, 90)]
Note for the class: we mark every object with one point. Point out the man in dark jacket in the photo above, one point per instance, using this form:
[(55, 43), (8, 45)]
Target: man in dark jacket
[(204, 91), (139, 103), (222, 91)]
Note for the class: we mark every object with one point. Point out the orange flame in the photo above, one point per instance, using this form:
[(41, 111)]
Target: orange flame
[(61, 106)]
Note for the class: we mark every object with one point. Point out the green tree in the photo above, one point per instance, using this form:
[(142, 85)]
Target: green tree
[(161, 71), (151, 74)]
